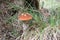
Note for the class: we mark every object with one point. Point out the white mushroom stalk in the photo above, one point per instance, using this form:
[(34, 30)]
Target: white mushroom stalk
[(25, 26)]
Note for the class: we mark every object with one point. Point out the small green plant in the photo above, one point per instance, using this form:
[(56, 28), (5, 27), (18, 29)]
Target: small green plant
[(0, 11)]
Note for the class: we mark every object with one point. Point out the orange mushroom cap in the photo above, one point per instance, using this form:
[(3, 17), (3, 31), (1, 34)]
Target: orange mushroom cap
[(25, 17)]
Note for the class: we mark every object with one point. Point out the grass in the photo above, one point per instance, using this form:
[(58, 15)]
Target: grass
[(37, 22), (38, 17)]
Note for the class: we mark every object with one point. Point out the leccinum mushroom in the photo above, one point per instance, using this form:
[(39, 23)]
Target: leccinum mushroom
[(25, 17)]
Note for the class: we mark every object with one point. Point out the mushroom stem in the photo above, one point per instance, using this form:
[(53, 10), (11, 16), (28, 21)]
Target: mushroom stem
[(25, 26)]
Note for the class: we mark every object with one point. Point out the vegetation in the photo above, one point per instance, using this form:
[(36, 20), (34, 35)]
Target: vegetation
[(45, 21)]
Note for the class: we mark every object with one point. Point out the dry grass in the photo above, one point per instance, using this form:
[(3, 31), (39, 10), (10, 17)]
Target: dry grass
[(41, 27)]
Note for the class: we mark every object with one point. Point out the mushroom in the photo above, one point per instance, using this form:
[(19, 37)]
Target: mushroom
[(25, 17)]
